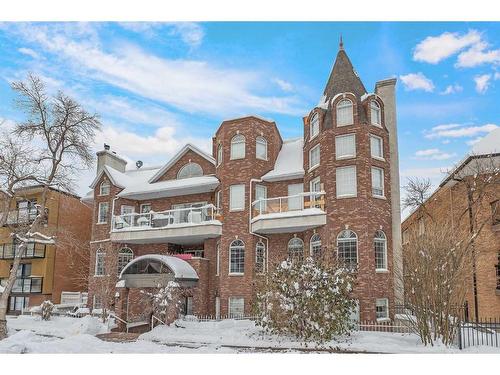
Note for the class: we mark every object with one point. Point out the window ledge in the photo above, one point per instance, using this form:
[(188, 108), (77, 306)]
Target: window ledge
[(383, 320), (313, 137), (237, 210), (313, 168), (378, 158), (377, 125), (104, 222), (379, 197), (345, 157), (381, 270), (346, 196), (237, 158), (236, 274)]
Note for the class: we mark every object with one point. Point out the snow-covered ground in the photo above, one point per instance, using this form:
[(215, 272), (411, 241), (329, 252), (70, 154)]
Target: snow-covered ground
[(72, 335)]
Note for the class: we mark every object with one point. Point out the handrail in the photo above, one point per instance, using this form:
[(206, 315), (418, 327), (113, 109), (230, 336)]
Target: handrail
[(153, 318), (119, 319), (304, 194), (288, 203)]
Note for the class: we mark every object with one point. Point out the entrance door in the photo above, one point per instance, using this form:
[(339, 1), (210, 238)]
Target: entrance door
[(295, 203)]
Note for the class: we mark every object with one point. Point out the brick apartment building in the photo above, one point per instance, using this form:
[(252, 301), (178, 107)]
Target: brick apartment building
[(216, 223), (44, 272), (450, 200)]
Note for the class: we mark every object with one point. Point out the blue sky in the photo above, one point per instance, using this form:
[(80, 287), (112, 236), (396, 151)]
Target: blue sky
[(160, 85)]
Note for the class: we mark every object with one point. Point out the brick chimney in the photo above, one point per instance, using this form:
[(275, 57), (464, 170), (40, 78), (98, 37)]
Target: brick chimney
[(111, 159)]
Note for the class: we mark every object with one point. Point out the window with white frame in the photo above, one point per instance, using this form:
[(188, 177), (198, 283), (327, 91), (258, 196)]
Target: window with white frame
[(380, 247), (345, 146), (346, 181), (345, 113), (376, 147), (237, 197), (375, 113), (377, 182), (347, 248), (260, 257), (190, 170), (218, 200), (260, 197), (315, 185), (315, 245), (103, 213), (145, 208), (104, 188), (314, 157), (261, 148), (97, 302), (296, 249), (219, 154), (382, 308), (217, 260), (237, 257), (238, 147), (236, 307), (314, 128), (124, 257), (99, 263)]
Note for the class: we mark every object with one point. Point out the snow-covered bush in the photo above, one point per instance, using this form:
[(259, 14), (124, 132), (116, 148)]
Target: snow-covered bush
[(310, 300), (47, 308), (165, 301)]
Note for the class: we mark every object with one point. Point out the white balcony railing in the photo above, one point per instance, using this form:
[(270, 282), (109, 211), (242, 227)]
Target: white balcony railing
[(21, 216), (291, 203), (165, 219)]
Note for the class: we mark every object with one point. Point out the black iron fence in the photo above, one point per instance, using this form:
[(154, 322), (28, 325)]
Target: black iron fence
[(482, 332)]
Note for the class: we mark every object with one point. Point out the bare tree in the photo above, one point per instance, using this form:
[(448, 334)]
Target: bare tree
[(46, 149)]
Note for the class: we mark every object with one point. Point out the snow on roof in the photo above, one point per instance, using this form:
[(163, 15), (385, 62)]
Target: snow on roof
[(490, 144), (245, 116), (182, 270), (289, 163)]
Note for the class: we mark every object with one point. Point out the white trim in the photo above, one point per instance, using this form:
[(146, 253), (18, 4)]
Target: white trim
[(355, 194), (99, 213), (381, 147), (233, 209), (311, 136), (312, 167), (244, 143), (386, 303), (229, 259), (382, 180), (217, 259), (265, 143), (110, 176), (350, 156)]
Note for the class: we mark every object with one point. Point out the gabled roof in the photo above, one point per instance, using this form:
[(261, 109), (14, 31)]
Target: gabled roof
[(177, 156), (112, 175)]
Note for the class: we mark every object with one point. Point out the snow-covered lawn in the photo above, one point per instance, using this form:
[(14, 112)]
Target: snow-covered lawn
[(72, 335)]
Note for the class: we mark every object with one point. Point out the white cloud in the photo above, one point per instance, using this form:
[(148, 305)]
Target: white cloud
[(482, 83), (192, 86), (496, 76), (458, 131), (476, 55), (433, 154), (417, 81), (29, 52), (191, 33), (452, 89), (284, 85), (433, 49), (472, 142)]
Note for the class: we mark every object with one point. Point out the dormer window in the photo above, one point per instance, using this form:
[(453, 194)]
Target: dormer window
[(314, 128), (375, 114), (238, 147), (344, 113), (190, 170), (261, 148), (105, 188)]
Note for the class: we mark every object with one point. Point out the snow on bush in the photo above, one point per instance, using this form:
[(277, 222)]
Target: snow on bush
[(310, 300), (165, 301), (47, 307)]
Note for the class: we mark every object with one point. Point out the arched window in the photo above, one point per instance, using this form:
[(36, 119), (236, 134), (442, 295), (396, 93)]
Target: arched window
[(99, 262), (219, 154), (237, 257), (380, 247), (296, 249), (375, 113), (315, 245), (104, 188), (260, 257), (344, 113), (190, 170), (261, 148), (347, 248), (314, 128), (124, 257), (238, 147)]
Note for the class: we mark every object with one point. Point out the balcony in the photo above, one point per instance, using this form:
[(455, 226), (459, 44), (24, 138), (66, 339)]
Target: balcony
[(26, 285), (294, 213), (21, 216), (183, 226), (33, 250)]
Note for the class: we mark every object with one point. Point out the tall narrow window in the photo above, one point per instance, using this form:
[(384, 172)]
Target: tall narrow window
[(346, 182), (236, 197), (99, 262), (314, 155), (124, 257), (382, 308), (217, 260), (315, 245), (104, 188), (380, 247), (219, 154), (377, 182), (314, 128), (103, 213), (296, 249), (238, 147), (375, 113), (190, 170), (218, 201), (344, 113), (237, 257), (261, 148), (345, 146), (260, 197), (376, 147), (347, 248), (498, 271), (260, 257), (236, 307)]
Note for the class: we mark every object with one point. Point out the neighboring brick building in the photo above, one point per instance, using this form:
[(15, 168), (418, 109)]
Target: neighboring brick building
[(339, 191), (450, 201), (44, 272)]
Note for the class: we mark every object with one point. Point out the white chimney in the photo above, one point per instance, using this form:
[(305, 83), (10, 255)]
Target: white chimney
[(111, 159)]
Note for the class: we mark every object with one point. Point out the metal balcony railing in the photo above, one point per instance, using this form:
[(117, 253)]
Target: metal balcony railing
[(165, 219), (21, 216), (33, 250), (297, 202), (26, 284)]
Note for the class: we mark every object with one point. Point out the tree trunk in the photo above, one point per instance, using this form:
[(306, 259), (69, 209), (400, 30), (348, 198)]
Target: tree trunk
[(3, 328)]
